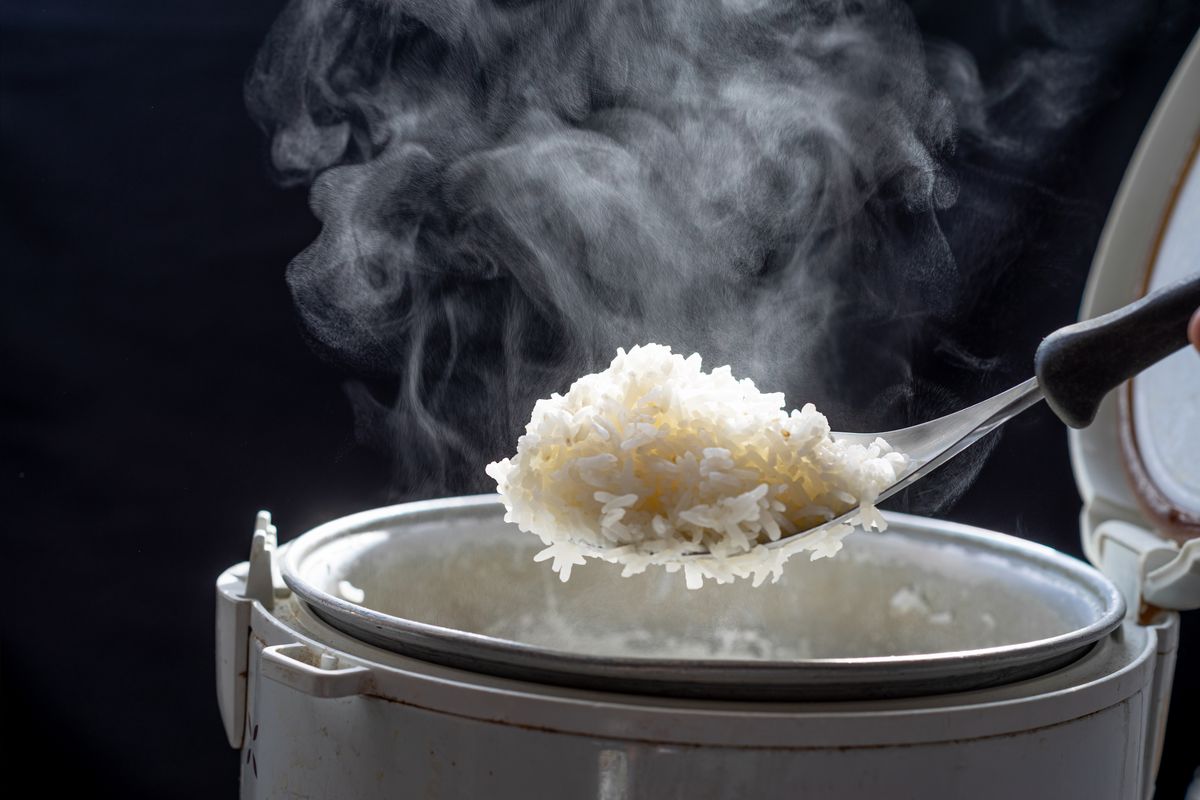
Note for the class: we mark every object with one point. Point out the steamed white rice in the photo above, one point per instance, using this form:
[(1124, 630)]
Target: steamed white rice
[(653, 459)]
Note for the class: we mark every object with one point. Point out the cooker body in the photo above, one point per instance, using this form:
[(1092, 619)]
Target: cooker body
[(321, 712), (440, 733)]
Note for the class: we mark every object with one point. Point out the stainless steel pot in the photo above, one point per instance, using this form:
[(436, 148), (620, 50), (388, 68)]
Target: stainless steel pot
[(908, 612)]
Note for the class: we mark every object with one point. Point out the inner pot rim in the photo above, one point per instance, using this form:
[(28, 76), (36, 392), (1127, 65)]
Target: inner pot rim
[(813, 678)]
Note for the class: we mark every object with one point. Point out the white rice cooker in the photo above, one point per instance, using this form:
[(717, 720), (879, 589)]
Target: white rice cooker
[(417, 650)]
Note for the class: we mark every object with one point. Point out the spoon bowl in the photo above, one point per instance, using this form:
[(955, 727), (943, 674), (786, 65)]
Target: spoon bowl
[(931, 444)]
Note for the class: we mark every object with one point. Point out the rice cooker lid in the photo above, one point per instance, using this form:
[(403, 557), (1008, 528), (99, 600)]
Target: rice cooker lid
[(1136, 465)]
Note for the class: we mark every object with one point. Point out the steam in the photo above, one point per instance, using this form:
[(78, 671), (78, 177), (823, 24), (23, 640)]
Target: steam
[(510, 190)]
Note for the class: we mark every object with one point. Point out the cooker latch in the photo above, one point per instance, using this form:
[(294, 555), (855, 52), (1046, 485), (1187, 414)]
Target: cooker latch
[(1152, 572), (238, 588)]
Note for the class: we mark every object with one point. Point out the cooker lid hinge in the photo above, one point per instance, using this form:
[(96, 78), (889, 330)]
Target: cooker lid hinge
[(1148, 569)]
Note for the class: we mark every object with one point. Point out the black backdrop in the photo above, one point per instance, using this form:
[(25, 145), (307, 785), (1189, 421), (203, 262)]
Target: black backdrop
[(156, 390)]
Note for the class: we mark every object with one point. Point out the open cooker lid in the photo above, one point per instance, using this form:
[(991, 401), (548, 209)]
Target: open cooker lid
[(1136, 465)]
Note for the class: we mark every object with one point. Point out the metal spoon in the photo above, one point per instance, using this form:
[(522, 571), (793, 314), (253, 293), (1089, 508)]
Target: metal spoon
[(1076, 367)]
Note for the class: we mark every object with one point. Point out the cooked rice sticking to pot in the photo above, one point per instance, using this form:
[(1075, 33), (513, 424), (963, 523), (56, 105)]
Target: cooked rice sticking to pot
[(653, 459)]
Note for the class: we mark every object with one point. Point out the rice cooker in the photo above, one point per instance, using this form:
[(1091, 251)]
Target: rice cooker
[(417, 650)]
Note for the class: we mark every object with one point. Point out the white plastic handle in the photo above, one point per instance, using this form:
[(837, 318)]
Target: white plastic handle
[(293, 666)]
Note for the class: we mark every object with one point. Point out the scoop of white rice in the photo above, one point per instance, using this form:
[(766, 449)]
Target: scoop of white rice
[(653, 459)]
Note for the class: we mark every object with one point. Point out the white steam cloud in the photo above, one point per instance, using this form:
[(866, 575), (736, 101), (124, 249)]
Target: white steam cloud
[(511, 189)]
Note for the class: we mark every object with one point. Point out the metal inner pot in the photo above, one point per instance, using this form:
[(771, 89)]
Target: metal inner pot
[(925, 607)]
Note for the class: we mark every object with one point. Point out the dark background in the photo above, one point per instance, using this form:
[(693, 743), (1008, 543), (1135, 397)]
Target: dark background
[(156, 390)]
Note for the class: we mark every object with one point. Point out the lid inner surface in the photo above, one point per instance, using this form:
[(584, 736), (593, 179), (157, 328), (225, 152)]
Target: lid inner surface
[(1164, 400)]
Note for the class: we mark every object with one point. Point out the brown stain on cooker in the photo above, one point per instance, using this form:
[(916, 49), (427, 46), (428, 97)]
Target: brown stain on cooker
[(769, 748), (1175, 522), (1149, 614)]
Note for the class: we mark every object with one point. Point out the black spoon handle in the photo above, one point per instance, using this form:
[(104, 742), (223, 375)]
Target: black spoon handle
[(1079, 364)]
